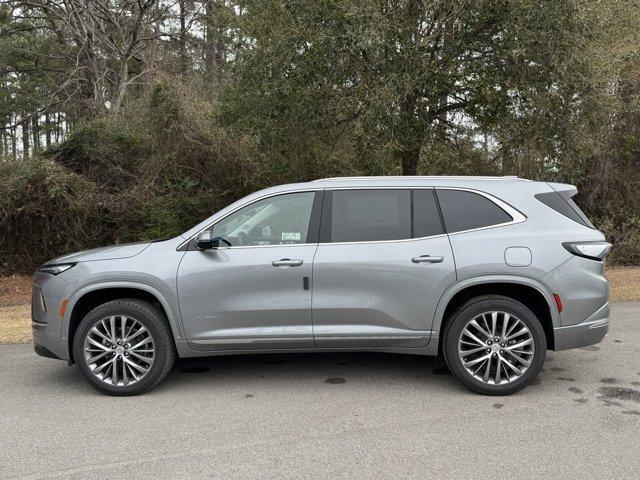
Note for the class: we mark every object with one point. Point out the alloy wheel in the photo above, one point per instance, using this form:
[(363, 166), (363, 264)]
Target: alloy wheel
[(119, 350), (496, 347)]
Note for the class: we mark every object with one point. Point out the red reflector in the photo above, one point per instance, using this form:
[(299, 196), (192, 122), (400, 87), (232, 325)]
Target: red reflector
[(556, 297)]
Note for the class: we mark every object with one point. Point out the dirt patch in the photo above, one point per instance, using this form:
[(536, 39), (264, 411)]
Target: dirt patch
[(15, 290), (15, 324), (15, 309), (625, 283)]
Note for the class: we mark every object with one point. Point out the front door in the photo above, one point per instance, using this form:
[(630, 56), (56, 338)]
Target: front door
[(255, 294), (382, 264)]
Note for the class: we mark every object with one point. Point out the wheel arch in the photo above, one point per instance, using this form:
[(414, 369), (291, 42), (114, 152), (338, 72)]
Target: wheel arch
[(89, 297), (529, 291)]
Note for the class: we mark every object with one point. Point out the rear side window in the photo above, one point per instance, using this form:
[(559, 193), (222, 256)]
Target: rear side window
[(566, 207), (426, 218), (370, 215), (464, 210)]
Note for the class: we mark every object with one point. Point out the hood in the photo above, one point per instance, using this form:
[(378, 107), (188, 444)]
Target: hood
[(113, 252)]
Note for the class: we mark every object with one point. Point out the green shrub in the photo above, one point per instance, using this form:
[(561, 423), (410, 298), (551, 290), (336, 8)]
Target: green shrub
[(153, 171)]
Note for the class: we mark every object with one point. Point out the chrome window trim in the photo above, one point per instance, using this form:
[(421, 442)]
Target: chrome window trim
[(515, 214), (382, 178), (401, 240)]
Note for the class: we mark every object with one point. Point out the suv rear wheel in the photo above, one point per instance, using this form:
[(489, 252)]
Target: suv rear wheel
[(124, 347), (495, 345)]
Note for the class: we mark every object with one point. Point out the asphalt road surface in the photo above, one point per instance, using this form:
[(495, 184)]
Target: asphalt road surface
[(332, 416)]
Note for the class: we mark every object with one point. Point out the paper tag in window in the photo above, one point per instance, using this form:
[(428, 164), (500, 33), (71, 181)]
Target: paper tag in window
[(290, 236)]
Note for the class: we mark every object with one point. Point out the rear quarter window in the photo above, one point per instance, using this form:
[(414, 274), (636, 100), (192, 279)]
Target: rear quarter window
[(463, 210), (566, 207)]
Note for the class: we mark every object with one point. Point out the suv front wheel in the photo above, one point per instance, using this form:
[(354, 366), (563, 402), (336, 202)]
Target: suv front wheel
[(124, 347), (495, 345)]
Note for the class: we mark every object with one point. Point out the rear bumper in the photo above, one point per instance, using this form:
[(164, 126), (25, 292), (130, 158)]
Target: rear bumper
[(589, 332)]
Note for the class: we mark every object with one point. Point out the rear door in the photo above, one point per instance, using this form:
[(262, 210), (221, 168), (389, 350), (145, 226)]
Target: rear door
[(382, 264)]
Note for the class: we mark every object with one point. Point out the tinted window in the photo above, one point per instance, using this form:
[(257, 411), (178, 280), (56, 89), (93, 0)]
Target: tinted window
[(464, 210), (370, 215), (566, 207), (279, 220), (426, 218)]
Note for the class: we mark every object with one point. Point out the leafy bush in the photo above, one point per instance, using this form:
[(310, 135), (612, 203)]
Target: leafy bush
[(46, 210), (153, 171)]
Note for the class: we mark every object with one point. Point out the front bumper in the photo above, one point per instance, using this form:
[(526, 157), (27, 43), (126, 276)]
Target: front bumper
[(44, 351), (589, 332), (49, 339)]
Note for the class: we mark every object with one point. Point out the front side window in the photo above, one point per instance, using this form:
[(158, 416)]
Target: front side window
[(464, 210), (370, 215), (279, 220)]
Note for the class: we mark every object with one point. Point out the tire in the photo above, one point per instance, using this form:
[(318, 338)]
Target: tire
[(156, 355), (475, 309)]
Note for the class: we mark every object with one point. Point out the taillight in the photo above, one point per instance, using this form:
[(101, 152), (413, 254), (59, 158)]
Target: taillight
[(591, 250)]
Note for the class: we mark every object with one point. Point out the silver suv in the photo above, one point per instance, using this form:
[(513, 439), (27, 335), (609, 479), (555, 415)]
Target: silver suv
[(488, 272)]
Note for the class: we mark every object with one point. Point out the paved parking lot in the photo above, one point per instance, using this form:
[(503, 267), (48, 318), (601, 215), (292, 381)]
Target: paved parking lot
[(328, 416)]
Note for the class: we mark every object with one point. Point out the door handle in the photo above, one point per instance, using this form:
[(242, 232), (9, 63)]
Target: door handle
[(427, 259), (286, 262)]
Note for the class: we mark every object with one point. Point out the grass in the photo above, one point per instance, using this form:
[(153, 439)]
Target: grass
[(15, 293), (625, 283), (15, 324), (15, 310)]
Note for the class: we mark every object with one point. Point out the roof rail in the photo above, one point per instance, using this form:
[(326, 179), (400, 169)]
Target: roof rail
[(421, 177)]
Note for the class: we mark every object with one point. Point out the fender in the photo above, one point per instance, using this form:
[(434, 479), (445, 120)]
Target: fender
[(174, 319), (484, 279)]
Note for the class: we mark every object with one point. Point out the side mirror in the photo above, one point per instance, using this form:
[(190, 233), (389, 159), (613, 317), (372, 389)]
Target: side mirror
[(204, 241)]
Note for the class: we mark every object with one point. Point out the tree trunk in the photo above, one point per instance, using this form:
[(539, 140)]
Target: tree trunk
[(409, 160), (209, 41), (14, 143), (35, 129), (24, 126), (214, 46), (47, 130), (409, 135), (183, 38), (122, 86)]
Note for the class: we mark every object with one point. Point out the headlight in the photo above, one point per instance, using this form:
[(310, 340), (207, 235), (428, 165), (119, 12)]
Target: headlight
[(55, 269)]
